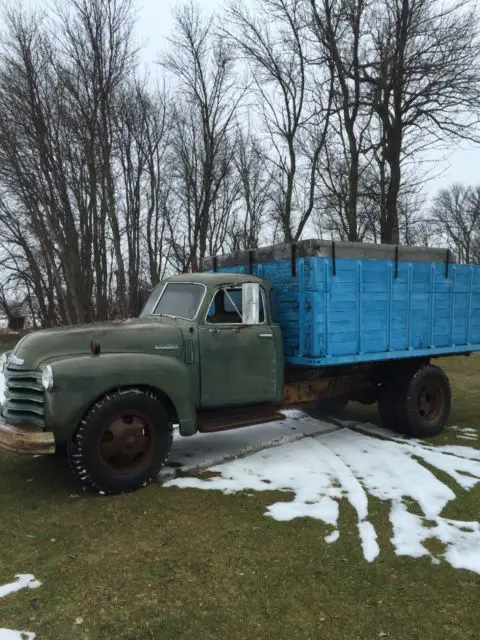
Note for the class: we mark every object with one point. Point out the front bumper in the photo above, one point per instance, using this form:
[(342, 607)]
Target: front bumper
[(23, 439)]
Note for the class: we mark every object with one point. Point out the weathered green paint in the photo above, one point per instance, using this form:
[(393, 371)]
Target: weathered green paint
[(188, 363), (237, 365), (130, 336), (84, 379)]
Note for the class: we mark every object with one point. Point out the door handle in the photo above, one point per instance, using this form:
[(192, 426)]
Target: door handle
[(265, 335), (213, 331)]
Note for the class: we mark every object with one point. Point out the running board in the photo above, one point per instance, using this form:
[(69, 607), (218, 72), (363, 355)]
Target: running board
[(218, 421)]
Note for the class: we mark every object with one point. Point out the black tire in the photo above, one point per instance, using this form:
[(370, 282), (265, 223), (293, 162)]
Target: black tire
[(419, 404), (122, 442)]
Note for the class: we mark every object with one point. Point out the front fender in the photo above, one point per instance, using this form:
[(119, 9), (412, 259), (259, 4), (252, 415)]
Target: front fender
[(80, 381)]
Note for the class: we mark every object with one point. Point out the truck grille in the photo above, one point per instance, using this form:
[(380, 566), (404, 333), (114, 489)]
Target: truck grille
[(24, 397)]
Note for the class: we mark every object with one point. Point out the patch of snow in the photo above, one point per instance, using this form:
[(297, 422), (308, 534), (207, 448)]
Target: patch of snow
[(321, 470), (23, 581), (453, 449), (368, 536), (333, 537), (466, 430), (465, 433), (10, 634), (204, 450)]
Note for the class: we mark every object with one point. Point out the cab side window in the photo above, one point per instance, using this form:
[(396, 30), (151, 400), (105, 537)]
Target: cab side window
[(226, 307)]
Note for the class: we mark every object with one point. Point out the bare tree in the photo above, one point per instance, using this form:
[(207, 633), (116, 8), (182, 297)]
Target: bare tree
[(334, 211), (202, 64), (142, 128), (338, 27), (13, 305), (107, 184), (32, 215), (456, 213), (294, 102), (254, 197), (422, 74), (372, 201), (73, 229), (98, 56)]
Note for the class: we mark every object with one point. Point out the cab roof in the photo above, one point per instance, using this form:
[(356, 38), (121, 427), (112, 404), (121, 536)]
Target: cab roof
[(211, 279)]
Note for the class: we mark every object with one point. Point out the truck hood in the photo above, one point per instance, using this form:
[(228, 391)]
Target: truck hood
[(160, 336)]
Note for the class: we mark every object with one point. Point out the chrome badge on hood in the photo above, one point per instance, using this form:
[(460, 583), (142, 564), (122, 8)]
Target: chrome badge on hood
[(167, 347)]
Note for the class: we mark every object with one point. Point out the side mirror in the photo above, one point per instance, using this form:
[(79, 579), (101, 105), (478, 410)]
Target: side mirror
[(251, 303)]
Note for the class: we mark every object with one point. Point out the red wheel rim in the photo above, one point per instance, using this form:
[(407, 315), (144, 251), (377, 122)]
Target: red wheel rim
[(126, 442), (431, 402)]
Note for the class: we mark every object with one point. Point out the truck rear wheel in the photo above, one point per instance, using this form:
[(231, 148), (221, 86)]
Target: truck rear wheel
[(122, 443), (418, 403)]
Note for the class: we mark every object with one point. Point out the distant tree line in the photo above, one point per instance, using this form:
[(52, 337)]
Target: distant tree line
[(294, 118)]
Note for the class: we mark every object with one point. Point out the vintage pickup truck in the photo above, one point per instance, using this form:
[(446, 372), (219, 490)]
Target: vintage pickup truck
[(283, 326)]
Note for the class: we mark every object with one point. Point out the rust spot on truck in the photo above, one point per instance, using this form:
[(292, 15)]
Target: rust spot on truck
[(295, 393), (306, 391), (23, 439)]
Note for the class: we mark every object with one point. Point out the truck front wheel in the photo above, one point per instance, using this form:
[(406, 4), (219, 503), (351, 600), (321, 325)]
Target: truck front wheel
[(417, 403), (122, 443)]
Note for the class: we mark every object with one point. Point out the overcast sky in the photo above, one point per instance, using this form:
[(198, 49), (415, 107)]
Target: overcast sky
[(155, 22)]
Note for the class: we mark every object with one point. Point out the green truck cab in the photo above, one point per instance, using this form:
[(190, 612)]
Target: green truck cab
[(112, 392)]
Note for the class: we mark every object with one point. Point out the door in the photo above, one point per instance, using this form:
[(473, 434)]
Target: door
[(237, 361)]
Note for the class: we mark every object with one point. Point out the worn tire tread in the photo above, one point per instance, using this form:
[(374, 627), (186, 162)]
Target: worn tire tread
[(406, 420), (76, 451)]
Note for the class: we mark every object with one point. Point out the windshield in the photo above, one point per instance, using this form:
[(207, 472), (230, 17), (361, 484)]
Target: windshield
[(179, 299)]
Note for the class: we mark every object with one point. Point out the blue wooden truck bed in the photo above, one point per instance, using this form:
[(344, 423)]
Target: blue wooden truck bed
[(346, 303)]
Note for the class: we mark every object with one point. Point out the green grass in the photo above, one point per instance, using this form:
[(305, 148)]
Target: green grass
[(177, 563)]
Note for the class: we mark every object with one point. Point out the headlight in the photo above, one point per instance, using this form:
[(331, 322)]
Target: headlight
[(3, 362), (47, 378)]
